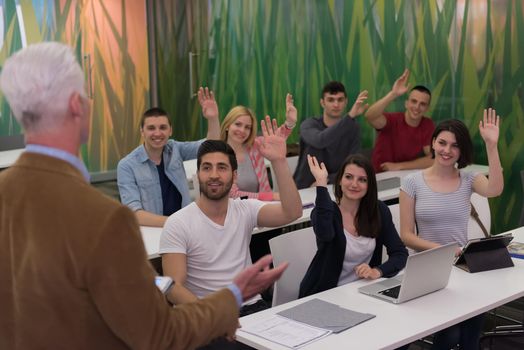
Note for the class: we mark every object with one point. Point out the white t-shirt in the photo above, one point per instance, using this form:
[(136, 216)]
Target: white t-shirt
[(359, 250), (215, 254)]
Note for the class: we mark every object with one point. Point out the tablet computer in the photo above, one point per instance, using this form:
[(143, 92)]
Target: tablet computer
[(483, 254)]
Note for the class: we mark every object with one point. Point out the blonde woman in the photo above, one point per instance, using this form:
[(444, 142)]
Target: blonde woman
[(239, 130)]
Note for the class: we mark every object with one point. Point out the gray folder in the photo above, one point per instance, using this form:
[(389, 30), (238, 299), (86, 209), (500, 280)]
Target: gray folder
[(322, 314)]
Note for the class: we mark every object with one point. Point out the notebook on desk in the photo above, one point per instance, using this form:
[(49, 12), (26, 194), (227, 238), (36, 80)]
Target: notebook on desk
[(425, 272), (388, 184)]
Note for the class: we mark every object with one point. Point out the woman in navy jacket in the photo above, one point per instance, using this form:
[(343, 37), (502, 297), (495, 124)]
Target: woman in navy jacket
[(351, 232)]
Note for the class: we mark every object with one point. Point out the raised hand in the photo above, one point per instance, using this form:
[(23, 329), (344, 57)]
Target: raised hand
[(207, 101), (272, 145), (489, 127), (291, 112), (401, 86), (318, 170), (359, 106)]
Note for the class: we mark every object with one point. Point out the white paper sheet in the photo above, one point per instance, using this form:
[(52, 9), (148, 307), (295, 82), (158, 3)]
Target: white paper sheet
[(286, 332)]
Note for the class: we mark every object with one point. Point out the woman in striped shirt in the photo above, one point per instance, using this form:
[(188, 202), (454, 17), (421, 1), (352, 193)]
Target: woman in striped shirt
[(435, 202)]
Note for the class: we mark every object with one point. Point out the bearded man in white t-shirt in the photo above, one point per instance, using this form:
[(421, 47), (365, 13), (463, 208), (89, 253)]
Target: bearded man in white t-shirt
[(205, 244)]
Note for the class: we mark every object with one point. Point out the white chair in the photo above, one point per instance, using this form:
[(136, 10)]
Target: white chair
[(521, 221), (297, 248), (194, 187), (395, 216), (482, 207), (292, 163)]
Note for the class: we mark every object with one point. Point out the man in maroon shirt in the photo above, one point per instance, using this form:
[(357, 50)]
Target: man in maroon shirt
[(404, 138)]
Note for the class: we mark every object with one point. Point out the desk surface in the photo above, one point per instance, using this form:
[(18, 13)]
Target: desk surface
[(465, 296), (151, 235), (7, 158)]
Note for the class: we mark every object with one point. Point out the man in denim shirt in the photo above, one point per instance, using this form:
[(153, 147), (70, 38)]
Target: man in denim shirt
[(151, 179)]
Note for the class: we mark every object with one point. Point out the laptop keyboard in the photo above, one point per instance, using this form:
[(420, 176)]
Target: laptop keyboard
[(391, 292)]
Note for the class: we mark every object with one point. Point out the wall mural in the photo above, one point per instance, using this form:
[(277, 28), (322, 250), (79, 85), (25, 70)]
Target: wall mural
[(116, 67), (468, 52)]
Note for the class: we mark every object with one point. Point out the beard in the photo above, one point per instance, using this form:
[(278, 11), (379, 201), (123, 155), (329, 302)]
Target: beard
[(215, 195)]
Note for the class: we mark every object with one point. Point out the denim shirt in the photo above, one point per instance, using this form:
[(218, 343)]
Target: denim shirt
[(138, 181)]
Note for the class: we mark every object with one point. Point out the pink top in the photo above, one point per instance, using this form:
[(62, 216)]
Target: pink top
[(257, 159)]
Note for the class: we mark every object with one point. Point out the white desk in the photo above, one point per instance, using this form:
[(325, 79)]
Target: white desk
[(151, 235), (7, 158), (518, 233), (307, 196), (151, 238), (466, 295)]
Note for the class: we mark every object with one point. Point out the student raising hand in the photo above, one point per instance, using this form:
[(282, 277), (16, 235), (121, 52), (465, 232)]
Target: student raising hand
[(319, 171)]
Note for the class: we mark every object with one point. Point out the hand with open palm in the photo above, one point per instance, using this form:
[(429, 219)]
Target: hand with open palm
[(401, 86), (207, 101), (360, 105), (489, 127), (291, 112), (318, 170), (272, 145)]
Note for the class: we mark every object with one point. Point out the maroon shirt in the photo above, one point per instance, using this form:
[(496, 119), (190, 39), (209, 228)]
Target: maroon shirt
[(399, 142)]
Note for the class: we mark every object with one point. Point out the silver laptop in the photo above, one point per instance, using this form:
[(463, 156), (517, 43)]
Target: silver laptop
[(425, 272), (388, 184)]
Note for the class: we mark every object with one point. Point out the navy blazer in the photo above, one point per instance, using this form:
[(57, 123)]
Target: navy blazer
[(325, 268)]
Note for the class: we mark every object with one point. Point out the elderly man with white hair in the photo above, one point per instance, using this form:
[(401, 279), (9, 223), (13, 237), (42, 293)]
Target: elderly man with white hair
[(73, 266)]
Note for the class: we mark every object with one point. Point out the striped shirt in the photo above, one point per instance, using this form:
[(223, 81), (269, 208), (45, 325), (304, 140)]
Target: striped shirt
[(441, 217)]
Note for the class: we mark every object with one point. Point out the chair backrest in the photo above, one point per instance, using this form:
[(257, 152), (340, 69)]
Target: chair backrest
[(194, 187), (292, 162), (190, 167), (522, 210), (395, 216), (482, 207), (297, 248)]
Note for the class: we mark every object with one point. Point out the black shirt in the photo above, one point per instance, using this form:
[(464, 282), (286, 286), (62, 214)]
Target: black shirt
[(171, 197)]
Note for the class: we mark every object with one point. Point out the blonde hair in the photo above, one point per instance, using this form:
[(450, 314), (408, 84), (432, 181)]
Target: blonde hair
[(233, 115)]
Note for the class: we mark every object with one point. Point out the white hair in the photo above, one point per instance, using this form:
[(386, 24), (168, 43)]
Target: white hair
[(38, 82)]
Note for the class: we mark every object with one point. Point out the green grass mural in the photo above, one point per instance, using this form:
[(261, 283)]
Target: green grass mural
[(468, 52)]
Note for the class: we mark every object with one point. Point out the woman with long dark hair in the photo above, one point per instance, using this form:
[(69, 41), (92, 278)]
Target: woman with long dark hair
[(351, 231)]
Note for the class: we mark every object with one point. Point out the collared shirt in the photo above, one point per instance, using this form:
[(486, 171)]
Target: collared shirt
[(237, 293), (60, 154), (138, 180)]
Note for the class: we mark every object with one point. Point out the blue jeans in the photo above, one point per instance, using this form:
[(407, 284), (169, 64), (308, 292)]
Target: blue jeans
[(466, 334)]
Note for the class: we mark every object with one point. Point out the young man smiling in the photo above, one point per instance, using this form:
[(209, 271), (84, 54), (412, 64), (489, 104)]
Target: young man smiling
[(151, 179), (206, 243), (332, 136), (404, 138)]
